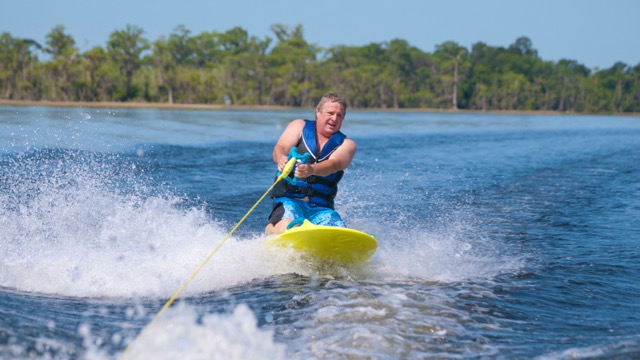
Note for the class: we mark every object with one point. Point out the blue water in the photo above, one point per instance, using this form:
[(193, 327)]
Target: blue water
[(500, 236)]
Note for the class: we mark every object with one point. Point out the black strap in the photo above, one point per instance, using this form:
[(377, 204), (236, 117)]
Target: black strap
[(308, 191), (319, 180)]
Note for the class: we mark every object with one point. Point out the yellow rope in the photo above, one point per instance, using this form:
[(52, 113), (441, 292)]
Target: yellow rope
[(285, 172)]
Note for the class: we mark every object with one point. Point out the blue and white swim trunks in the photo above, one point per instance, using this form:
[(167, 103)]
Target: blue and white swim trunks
[(287, 208)]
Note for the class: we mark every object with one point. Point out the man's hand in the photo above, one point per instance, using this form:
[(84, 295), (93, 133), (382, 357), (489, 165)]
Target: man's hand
[(282, 161), (303, 171)]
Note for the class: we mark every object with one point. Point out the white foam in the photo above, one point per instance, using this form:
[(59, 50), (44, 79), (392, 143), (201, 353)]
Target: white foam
[(65, 230), (453, 253), (121, 246), (89, 242), (181, 334), (70, 234)]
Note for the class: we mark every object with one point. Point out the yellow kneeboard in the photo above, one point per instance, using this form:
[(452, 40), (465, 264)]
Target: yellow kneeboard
[(328, 242)]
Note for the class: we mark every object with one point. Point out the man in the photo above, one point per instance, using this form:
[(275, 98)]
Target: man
[(330, 153)]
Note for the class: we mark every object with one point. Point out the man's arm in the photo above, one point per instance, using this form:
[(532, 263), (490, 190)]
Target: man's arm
[(288, 139)]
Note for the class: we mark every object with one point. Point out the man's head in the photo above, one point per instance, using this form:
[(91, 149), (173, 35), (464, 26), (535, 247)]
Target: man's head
[(334, 98), (330, 111)]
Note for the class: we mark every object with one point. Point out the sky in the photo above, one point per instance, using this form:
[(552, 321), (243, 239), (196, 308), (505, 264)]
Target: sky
[(595, 33)]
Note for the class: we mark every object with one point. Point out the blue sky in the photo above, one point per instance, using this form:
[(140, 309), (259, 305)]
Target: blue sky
[(596, 33)]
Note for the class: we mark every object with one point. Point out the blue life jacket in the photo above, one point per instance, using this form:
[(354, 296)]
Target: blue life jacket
[(321, 190)]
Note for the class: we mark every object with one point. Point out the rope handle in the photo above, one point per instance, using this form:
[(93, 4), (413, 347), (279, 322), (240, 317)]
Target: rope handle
[(300, 159)]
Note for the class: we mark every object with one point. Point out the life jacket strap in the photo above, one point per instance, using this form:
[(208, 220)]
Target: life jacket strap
[(319, 180)]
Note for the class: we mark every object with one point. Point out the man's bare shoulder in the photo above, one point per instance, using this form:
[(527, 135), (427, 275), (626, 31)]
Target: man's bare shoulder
[(297, 122), (349, 143), (295, 125)]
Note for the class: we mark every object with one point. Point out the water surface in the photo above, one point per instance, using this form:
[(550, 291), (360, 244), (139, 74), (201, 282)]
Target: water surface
[(500, 236)]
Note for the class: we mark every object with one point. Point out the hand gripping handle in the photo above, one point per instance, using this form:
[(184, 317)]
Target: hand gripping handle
[(294, 157)]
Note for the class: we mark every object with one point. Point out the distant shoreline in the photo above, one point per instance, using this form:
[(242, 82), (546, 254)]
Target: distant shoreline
[(167, 106)]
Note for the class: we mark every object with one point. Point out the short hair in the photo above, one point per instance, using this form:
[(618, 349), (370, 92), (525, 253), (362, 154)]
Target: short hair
[(332, 97)]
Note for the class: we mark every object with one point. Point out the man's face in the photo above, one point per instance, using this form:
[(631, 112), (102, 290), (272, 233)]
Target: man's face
[(329, 118)]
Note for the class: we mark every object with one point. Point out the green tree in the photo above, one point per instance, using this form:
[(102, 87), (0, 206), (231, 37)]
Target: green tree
[(524, 58), (125, 48), (172, 57), (479, 81), (292, 67), (63, 68), (398, 72), (614, 86), (244, 67), (17, 61), (570, 76), (208, 69), (508, 78), (634, 91), (235, 68), (206, 49), (58, 43), (100, 74), (452, 56), (334, 70), (360, 73)]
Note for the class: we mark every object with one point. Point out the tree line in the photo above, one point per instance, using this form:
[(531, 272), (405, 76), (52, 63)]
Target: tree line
[(234, 68)]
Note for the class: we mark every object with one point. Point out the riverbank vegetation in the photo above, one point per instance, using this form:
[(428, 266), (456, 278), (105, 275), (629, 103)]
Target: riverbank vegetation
[(234, 68)]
